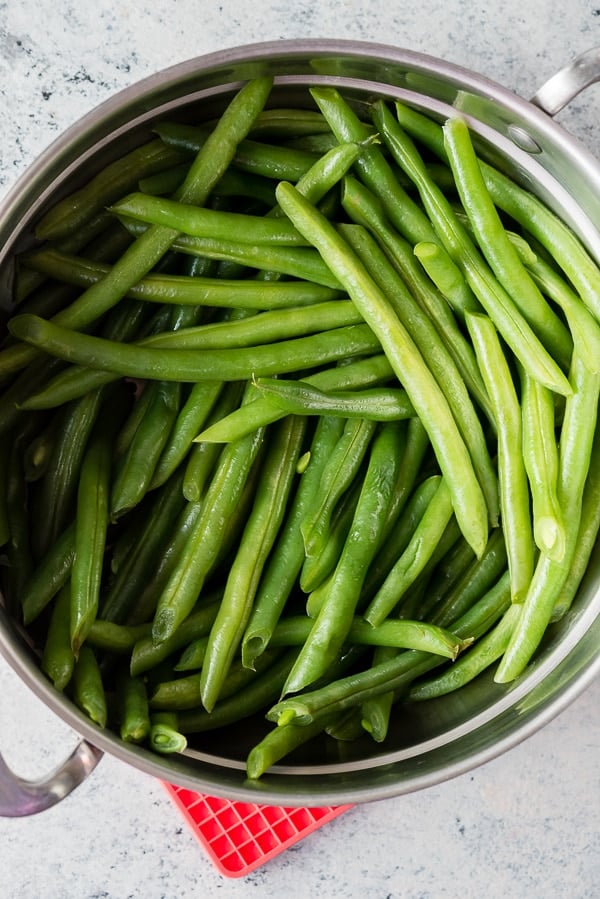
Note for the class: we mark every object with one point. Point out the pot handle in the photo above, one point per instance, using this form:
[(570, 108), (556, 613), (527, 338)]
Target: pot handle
[(19, 798), (567, 83)]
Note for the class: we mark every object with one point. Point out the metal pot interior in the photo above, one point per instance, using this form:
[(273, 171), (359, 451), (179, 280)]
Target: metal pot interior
[(429, 741)]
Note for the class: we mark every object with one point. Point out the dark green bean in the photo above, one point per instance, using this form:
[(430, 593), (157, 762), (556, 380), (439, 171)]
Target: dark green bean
[(147, 654), (88, 689), (134, 713), (49, 575)]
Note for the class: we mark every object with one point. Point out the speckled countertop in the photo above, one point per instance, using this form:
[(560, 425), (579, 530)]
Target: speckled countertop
[(524, 825)]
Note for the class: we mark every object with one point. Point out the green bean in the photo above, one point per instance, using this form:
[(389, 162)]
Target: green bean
[(91, 525), (331, 627), (284, 122), (338, 474), (300, 398), (299, 262), (509, 320), (450, 568), (150, 536), (136, 469), (183, 693), (525, 208), (165, 738), (57, 659), (410, 564), (257, 540), (495, 245), (27, 382), (479, 657), (438, 358), (203, 456), (512, 475), (192, 657), (191, 417), (540, 456), (58, 487), (446, 276), (147, 654), (549, 577), (205, 222), (262, 411), (37, 455), (424, 392), (116, 638), (375, 712), (262, 689), (279, 743), (137, 361), (149, 247), (232, 183), (260, 158), (88, 689), (393, 674), (285, 563), (49, 575), (134, 713), (317, 568), (423, 311), (68, 216), (203, 544), (583, 325), (474, 581), (145, 605)]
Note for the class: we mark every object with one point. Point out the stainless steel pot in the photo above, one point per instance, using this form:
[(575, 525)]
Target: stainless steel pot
[(438, 739)]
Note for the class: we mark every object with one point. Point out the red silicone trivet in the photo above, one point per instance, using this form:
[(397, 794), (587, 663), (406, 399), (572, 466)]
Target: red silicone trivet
[(241, 836)]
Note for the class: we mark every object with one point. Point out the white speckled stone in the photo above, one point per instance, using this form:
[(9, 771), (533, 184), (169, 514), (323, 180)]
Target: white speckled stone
[(524, 825)]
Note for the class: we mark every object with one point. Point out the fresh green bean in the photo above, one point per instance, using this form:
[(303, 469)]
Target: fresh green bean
[(205, 222), (279, 743), (136, 469), (525, 208), (150, 536), (549, 577), (438, 358), (91, 525), (300, 398), (316, 284), (57, 659), (317, 568), (512, 475), (134, 713), (375, 712), (331, 627), (285, 563), (255, 696), (263, 411), (424, 392), (255, 545), (473, 582), (424, 312), (147, 654), (88, 689), (269, 160), (58, 487), (410, 564), (165, 738), (446, 276), (49, 575), (68, 216), (495, 244), (135, 361), (203, 544), (540, 456), (509, 320), (479, 657), (211, 161), (116, 638)]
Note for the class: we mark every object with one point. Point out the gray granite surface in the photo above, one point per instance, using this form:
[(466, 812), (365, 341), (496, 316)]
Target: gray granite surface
[(524, 825)]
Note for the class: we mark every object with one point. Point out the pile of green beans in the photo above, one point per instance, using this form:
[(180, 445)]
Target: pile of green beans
[(298, 419)]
